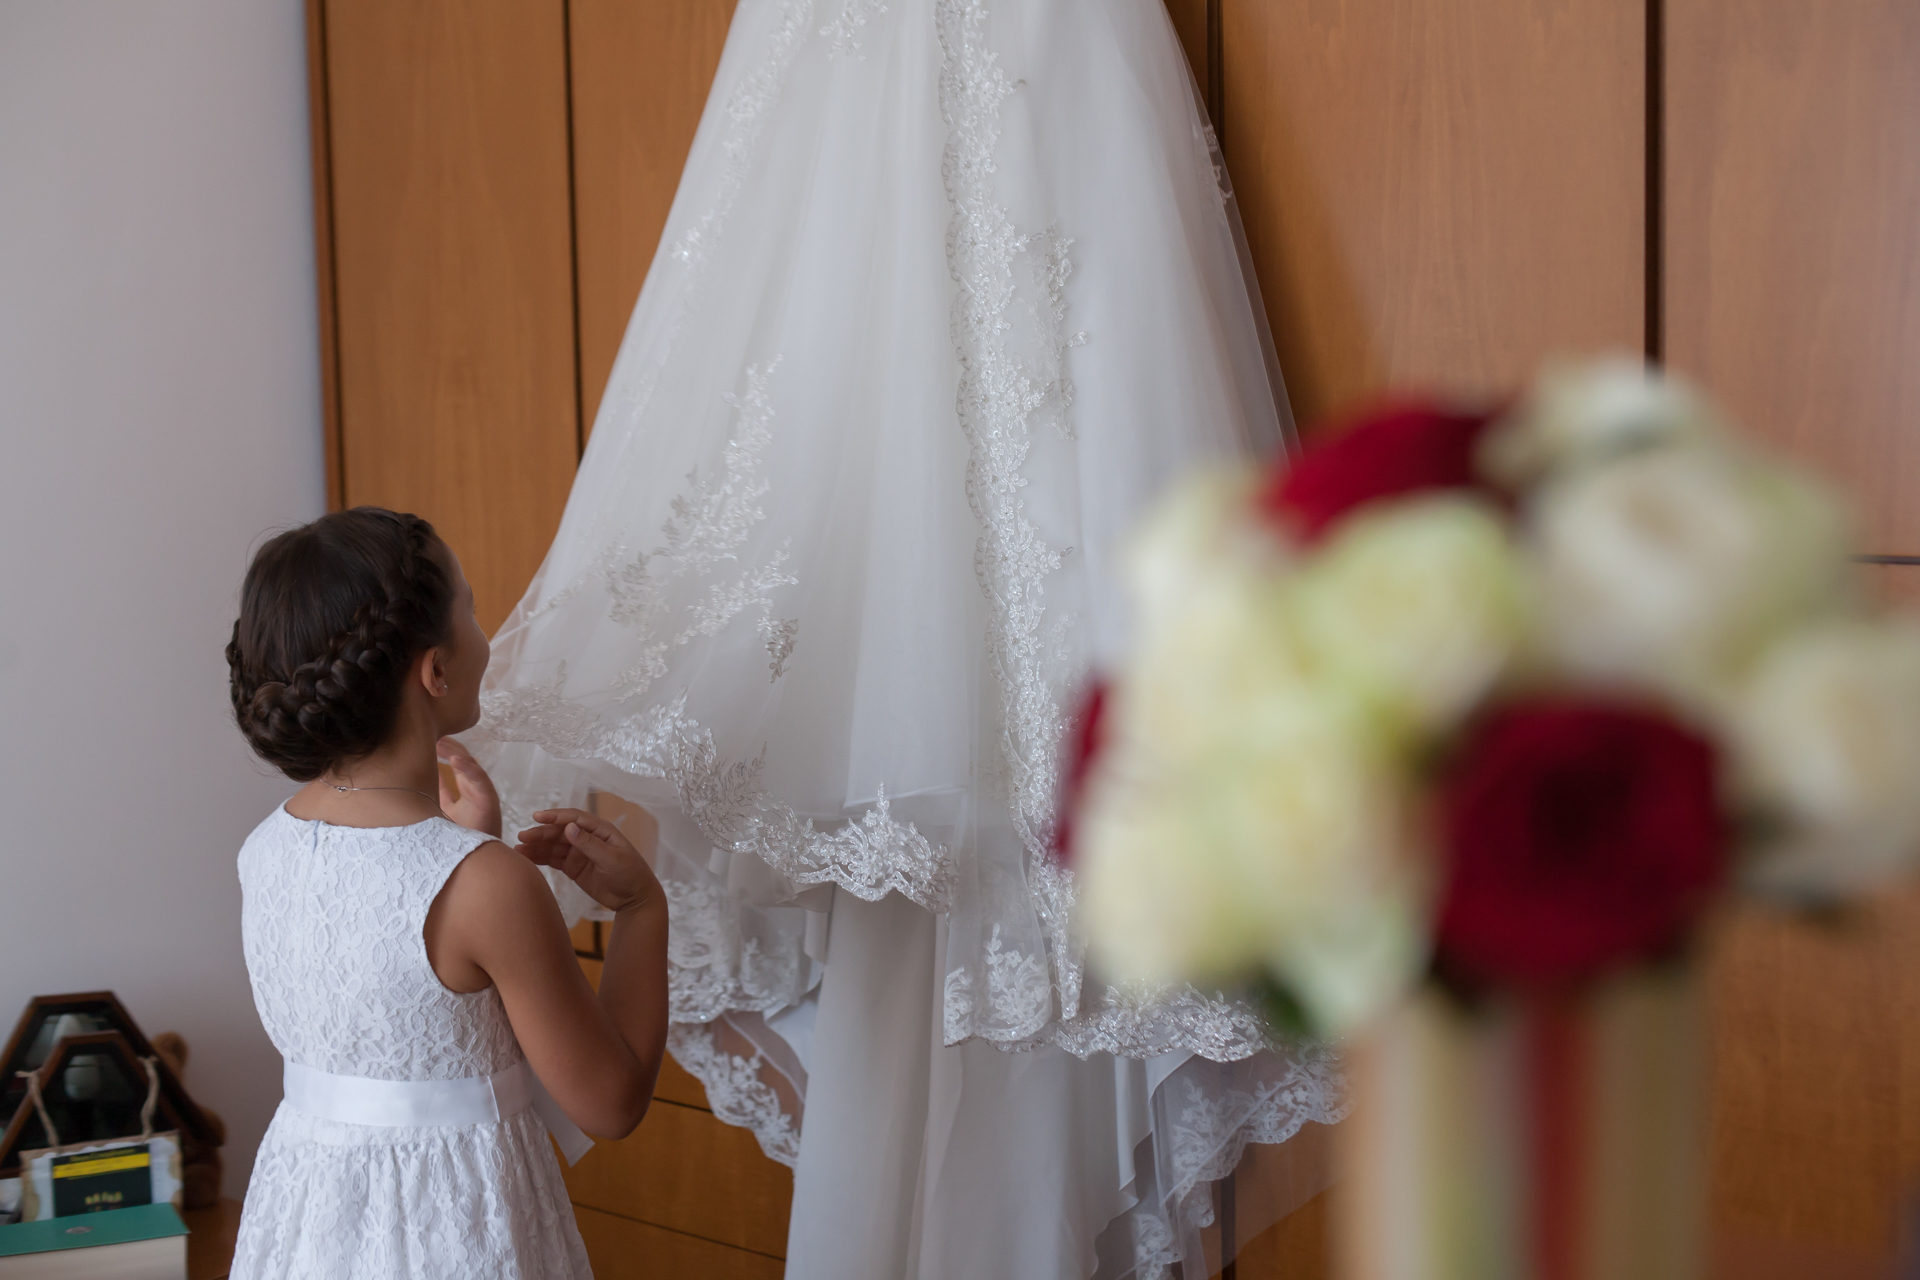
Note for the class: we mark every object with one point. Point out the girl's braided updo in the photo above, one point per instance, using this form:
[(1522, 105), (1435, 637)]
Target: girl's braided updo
[(332, 615)]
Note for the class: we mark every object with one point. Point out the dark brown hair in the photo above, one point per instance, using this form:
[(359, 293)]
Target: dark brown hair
[(331, 616)]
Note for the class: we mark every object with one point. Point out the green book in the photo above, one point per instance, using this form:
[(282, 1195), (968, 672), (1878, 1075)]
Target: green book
[(144, 1243)]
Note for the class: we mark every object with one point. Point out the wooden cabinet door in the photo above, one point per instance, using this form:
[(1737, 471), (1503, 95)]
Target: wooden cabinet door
[(640, 78), (1792, 289), (1437, 195), (1792, 256), (443, 137)]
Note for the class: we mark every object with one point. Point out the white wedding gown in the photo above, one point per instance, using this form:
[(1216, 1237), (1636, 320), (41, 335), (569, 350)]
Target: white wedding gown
[(950, 289)]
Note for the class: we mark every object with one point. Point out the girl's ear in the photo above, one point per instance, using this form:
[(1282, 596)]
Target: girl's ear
[(432, 672)]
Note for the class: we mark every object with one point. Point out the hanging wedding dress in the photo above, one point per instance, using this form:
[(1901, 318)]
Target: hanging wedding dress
[(950, 289)]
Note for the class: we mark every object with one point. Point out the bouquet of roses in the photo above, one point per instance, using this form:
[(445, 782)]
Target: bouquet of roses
[(1504, 698)]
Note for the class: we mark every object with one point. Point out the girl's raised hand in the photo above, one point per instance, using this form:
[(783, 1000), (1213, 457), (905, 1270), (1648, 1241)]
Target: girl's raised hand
[(597, 856), (478, 806)]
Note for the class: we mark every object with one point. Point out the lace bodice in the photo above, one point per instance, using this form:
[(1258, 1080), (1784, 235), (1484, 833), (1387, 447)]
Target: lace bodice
[(332, 924)]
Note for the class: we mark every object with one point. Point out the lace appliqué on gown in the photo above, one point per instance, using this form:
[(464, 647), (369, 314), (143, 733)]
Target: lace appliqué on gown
[(869, 857), (1011, 336), (848, 27), (737, 1090)]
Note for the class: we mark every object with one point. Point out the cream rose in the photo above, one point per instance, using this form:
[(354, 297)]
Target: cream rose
[(1208, 586), (1279, 840), (1677, 565), (1157, 905), (1420, 606), (1586, 412), (1204, 531), (1829, 738)]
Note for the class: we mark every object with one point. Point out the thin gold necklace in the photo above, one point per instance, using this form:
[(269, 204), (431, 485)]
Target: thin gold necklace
[(414, 790)]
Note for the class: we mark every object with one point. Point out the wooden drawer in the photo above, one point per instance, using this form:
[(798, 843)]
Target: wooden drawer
[(676, 1086), (621, 1249), (687, 1171)]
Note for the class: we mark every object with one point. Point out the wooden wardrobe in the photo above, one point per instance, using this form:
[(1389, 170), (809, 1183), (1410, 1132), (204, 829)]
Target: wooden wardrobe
[(1436, 194)]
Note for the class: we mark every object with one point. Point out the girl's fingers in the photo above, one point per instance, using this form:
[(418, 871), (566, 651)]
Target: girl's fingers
[(591, 845), (545, 835), (472, 777), (591, 823), (561, 817), (565, 859)]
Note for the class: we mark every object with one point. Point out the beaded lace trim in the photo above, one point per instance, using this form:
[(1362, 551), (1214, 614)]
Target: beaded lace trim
[(746, 117), (735, 1090), (870, 857), (848, 27), (709, 525), (999, 396), (712, 969), (1210, 1133)]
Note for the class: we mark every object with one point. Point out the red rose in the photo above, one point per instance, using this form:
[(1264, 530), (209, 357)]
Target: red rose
[(1083, 744), (1386, 453), (1577, 836)]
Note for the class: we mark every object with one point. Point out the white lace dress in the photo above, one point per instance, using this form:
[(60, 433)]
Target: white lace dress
[(332, 923)]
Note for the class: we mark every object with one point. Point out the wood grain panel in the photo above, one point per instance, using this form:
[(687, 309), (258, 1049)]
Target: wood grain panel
[(1816, 1078), (1438, 195), (1279, 1209), (1793, 235), (1190, 20), (1298, 1247), (1896, 586), (640, 78), (317, 121), (668, 1172), (447, 123), (675, 1085), (1761, 1258), (622, 1249)]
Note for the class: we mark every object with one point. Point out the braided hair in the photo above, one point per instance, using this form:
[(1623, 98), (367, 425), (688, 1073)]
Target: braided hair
[(332, 615)]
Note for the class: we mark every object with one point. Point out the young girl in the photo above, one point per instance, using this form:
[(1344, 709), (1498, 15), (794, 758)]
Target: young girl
[(413, 971)]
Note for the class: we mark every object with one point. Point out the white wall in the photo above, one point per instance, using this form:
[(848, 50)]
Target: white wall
[(159, 410)]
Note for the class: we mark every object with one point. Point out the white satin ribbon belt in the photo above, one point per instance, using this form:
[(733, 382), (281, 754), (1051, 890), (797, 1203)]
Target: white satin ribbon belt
[(432, 1103)]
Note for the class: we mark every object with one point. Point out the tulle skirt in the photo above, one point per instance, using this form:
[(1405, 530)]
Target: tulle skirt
[(950, 289)]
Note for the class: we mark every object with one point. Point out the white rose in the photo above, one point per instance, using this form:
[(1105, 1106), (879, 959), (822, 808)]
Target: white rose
[(1156, 904), (1281, 842), (1356, 957), (1677, 565), (1205, 528), (1420, 606), (1589, 411), (1209, 590), (1829, 736)]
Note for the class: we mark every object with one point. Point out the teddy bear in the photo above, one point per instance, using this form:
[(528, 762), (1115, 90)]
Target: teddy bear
[(200, 1163)]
